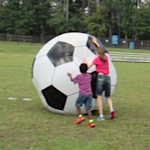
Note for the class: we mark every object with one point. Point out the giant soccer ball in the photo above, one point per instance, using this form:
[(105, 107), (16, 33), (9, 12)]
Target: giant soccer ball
[(56, 58)]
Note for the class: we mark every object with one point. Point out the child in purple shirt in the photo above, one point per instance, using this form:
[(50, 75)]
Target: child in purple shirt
[(85, 94)]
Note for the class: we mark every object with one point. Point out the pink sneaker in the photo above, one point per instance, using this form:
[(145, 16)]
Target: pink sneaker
[(112, 115)]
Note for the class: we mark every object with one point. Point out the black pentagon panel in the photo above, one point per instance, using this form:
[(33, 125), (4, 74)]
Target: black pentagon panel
[(92, 46), (54, 98), (61, 53)]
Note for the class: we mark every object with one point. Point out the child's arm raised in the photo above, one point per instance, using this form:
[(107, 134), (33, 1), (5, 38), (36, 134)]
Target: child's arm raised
[(94, 40), (70, 75), (89, 65)]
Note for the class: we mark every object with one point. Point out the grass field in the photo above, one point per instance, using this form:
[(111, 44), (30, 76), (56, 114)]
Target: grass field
[(28, 125)]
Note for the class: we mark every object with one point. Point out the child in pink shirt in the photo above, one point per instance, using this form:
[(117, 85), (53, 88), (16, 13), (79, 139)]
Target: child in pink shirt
[(101, 66), (103, 80)]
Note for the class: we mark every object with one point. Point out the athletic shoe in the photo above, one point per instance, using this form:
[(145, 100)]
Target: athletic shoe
[(112, 115), (79, 120), (91, 125), (100, 118)]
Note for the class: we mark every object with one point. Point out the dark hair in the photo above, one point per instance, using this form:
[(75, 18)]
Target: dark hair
[(83, 68), (101, 52)]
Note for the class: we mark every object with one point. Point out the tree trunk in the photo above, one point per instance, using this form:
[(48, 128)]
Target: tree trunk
[(119, 26), (110, 32), (42, 33), (89, 8), (67, 11), (110, 17), (97, 3), (83, 5)]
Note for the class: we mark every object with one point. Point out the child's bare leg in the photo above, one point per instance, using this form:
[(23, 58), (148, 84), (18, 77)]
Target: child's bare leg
[(100, 108), (100, 105), (78, 110), (91, 121), (80, 116), (109, 102), (89, 113)]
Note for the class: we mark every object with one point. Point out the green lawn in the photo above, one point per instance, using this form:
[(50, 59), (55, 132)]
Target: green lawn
[(28, 125)]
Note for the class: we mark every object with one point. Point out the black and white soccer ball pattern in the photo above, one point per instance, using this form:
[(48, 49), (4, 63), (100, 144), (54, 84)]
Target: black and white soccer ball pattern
[(56, 58)]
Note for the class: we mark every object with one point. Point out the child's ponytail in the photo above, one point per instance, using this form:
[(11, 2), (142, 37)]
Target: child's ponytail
[(101, 52)]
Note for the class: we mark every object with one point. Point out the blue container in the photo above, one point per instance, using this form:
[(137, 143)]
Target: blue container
[(131, 45), (115, 40)]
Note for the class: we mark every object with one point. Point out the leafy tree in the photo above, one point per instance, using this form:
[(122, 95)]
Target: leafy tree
[(9, 15), (25, 22), (41, 13), (126, 17), (60, 23), (98, 22), (141, 22), (24, 18), (129, 18)]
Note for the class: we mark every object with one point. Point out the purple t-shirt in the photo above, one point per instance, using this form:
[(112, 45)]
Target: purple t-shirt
[(84, 81)]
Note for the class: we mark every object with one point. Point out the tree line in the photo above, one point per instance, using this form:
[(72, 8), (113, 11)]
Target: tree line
[(102, 18)]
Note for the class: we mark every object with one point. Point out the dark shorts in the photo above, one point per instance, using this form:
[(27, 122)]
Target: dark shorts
[(84, 99), (103, 84)]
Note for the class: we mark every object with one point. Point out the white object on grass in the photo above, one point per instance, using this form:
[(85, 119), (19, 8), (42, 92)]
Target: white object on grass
[(12, 98), (27, 99)]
